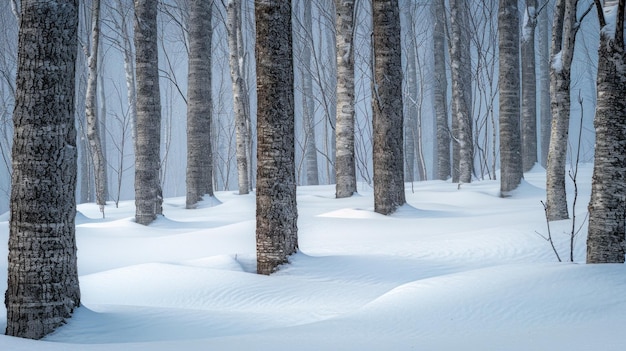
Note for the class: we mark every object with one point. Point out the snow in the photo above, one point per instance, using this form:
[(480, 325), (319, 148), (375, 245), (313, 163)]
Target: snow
[(458, 268)]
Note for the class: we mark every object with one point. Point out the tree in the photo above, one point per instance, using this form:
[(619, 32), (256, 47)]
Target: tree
[(529, 87), (199, 104), (42, 278), (387, 108), (91, 102), (607, 208), (344, 161), (276, 211), (544, 83), (509, 82), (460, 62), (440, 90), (148, 196), (241, 101), (563, 40)]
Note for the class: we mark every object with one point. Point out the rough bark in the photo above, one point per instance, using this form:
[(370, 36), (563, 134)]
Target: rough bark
[(607, 209), (344, 160), (509, 83), (148, 197), (91, 108), (42, 274), (563, 39), (462, 145), (440, 90), (387, 108), (276, 211), (544, 81), (240, 96), (199, 104), (308, 101), (529, 87)]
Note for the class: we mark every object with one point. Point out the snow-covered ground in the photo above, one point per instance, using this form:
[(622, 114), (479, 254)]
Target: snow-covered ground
[(458, 268)]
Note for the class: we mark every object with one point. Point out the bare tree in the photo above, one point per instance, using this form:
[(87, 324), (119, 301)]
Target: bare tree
[(544, 81), (277, 213), (440, 90), (509, 82), (529, 87), (607, 208), (148, 195), (345, 159), (43, 285), (387, 107), (199, 104)]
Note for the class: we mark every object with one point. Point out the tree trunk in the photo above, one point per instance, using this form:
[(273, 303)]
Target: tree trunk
[(563, 39), (544, 68), (607, 209), (344, 160), (529, 87), (148, 196), (199, 104), (463, 148), (440, 90), (509, 82), (42, 274), (308, 102), (240, 98), (387, 108), (93, 123), (276, 210)]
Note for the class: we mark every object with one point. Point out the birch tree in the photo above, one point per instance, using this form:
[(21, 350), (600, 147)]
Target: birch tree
[(345, 160), (529, 87), (43, 286), (276, 210), (237, 63), (387, 108), (199, 104), (91, 105), (308, 102), (607, 208), (440, 90), (544, 83), (460, 62), (148, 195), (563, 40), (509, 82)]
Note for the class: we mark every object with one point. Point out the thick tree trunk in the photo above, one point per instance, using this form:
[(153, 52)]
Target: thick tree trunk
[(387, 108), (440, 90), (607, 209), (199, 104), (148, 196), (563, 39), (529, 87), (509, 82), (91, 108), (42, 274), (240, 97), (276, 210), (344, 161), (463, 148), (544, 68)]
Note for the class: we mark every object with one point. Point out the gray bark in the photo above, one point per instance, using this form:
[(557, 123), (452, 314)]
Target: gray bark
[(91, 108), (148, 196), (344, 160), (240, 95), (387, 108), (544, 82), (43, 286), (308, 101), (529, 87), (509, 82), (607, 209), (462, 145), (563, 40), (199, 104), (440, 90), (276, 210)]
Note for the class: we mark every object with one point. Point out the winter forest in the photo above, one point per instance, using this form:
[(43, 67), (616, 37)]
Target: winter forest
[(340, 174)]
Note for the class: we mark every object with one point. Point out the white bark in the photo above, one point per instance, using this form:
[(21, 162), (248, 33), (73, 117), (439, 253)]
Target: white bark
[(440, 93), (529, 87)]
